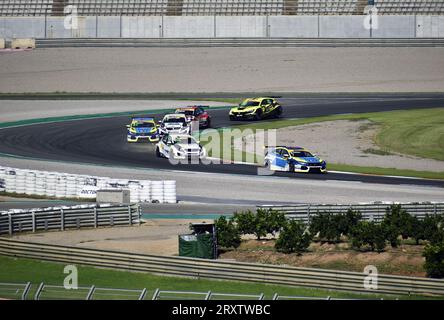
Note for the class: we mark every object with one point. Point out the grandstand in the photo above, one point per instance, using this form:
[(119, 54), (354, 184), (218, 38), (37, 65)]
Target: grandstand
[(217, 7)]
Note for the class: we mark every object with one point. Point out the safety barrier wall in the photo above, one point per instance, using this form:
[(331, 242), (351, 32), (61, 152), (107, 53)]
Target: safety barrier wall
[(369, 211), (64, 185), (222, 270), (223, 27), (64, 217)]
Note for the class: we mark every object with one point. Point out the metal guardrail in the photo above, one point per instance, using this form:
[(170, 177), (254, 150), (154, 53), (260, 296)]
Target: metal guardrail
[(52, 292), (222, 270), (239, 42), (92, 216), (369, 211)]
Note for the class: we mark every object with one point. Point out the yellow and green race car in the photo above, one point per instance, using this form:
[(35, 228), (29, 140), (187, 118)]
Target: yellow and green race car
[(142, 128), (256, 109)]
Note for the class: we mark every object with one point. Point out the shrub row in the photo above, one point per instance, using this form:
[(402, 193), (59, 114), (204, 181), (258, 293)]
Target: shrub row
[(295, 236)]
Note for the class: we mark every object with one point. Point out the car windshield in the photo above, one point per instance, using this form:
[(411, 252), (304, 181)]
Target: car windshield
[(249, 104), (142, 124), (301, 154), (186, 112), (184, 140), (174, 120)]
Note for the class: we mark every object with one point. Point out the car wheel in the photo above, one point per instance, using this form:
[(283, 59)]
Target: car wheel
[(258, 115), (232, 118), (158, 154), (278, 112), (291, 167), (208, 123)]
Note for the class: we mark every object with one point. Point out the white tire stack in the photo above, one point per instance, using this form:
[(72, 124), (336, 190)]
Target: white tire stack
[(60, 189), (169, 191), (145, 191), (40, 183), (20, 181), (30, 181), (71, 186), (51, 182), (157, 191)]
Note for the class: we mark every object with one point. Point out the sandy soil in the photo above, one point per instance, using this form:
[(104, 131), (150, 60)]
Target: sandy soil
[(157, 236), (223, 70), (356, 140), (405, 260)]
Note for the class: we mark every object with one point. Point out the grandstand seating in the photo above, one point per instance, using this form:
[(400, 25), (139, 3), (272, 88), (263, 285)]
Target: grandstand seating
[(217, 7)]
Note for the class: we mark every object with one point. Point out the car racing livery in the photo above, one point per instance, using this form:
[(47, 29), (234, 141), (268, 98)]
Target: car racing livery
[(293, 159), (179, 146), (142, 129), (196, 113), (174, 123), (256, 109)]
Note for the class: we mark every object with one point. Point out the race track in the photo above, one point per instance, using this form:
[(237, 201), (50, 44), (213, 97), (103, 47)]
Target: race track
[(103, 140)]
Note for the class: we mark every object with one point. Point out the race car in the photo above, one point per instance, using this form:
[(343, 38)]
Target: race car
[(174, 123), (196, 113), (142, 128), (256, 109), (293, 159), (179, 146)]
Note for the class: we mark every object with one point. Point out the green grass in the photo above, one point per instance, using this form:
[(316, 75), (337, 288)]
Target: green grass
[(21, 270)]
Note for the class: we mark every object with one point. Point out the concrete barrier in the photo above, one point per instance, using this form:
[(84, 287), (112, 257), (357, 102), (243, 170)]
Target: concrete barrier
[(2, 43), (188, 27), (245, 27), (395, 27), (342, 27), (23, 44), (113, 196), (429, 26), (142, 27), (293, 26)]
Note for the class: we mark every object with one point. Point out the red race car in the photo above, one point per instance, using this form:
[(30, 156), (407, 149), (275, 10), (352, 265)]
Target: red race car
[(194, 113)]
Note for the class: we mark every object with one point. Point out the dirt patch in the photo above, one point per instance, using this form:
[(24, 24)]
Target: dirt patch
[(157, 236), (357, 145), (405, 260)]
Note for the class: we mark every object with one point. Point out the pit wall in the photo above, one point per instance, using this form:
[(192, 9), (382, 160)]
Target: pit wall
[(224, 27)]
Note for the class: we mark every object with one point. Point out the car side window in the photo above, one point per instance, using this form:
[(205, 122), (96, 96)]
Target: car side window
[(284, 153), (264, 102), (165, 139)]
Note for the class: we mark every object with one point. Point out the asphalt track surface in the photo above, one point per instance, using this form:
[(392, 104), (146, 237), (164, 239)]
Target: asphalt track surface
[(103, 140)]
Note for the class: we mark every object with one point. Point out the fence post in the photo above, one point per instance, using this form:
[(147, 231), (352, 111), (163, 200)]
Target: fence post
[(26, 290), (10, 224), (156, 294), (130, 216), (275, 297), (91, 292), (39, 291), (208, 296), (33, 221), (435, 211), (95, 218), (142, 294), (62, 220)]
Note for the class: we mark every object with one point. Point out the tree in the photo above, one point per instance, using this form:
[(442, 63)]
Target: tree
[(327, 225), (246, 222), (397, 222), (348, 221), (434, 260), (293, 238), (265, 221), (368, 233), (228, 235)]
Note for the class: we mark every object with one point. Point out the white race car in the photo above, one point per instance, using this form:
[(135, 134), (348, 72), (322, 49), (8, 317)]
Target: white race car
[(174, 123), (179, 146)]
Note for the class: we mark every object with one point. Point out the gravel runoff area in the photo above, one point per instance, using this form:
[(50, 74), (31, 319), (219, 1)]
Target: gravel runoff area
[(13, 110), (356, 148), (223, 70)]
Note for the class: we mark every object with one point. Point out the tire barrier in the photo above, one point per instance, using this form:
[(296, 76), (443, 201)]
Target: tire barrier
[(223, 270), (369, 211), (64, 185), (64, 217)]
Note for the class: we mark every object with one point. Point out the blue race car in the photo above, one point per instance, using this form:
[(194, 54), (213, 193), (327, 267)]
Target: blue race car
[(293, 159), (142, 128)]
